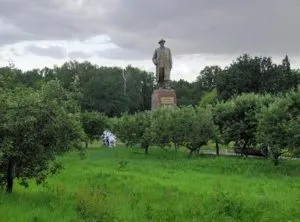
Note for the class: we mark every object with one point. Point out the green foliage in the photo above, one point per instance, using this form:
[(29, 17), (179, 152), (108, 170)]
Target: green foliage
[(114, 90), (279, 125), (109, 92), (94, 124), (173, 125), (143, 133), (32, 78), (103, 92), (138, 86), (209, 98), (165, 126), (160, 128), (136, 129), (36, 125), (177, 124), (201, 129), (126, 130), (255, 74), (101, 89), (237, 119), (118, 93), (208, 76), (186, 93), (7, 78)]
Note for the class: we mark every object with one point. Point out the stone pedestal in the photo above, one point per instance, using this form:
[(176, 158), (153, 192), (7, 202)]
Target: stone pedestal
[(163, 98)]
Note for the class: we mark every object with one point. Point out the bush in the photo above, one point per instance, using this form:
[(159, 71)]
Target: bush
[(237, 119), (94, 124), (92, 205), (135, 129), (279, 125)]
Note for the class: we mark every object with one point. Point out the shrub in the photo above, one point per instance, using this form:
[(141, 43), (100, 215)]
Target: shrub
[(237, 119), (279, 125)]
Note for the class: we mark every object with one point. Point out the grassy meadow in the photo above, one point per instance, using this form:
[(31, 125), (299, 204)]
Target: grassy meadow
[(126, 185)]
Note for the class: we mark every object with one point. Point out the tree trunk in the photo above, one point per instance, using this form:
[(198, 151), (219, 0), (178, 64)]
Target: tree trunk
[(275, 160), (244, 149), (146, 150), (217, 148), (191, 153), (176, 147), (10, 177)]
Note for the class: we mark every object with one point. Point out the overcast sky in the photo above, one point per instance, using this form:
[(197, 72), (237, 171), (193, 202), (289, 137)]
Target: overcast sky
[(38, 33)]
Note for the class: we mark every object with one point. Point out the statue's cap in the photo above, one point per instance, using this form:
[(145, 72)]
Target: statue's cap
[(162, 40)]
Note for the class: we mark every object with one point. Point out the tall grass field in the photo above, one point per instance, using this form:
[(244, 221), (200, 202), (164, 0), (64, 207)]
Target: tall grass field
[(124, 184)]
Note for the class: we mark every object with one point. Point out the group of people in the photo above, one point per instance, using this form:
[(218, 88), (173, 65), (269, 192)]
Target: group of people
[(109, 139)]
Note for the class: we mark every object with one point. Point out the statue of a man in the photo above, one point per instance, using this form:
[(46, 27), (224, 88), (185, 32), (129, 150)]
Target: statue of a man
[(162, 58)]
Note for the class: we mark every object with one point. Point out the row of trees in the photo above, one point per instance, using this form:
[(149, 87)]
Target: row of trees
[(260, 122)]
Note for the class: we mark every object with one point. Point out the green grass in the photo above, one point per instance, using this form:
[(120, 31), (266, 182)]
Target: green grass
[(125, 185)]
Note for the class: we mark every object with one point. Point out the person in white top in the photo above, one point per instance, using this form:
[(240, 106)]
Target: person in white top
[(109, 139), (112, 140)]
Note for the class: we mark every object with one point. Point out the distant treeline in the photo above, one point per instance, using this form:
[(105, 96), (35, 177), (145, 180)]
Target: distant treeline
[(113, 91)]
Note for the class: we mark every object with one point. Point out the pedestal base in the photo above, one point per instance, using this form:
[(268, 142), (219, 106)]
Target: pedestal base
[(163, 98)]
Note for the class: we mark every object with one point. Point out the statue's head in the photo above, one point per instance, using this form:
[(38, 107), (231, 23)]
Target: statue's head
[(161, 42)]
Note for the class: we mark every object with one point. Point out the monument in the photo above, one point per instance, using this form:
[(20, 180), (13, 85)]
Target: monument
[(164, 95)]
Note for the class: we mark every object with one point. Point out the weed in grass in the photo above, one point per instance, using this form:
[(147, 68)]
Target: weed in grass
[(92, 205)]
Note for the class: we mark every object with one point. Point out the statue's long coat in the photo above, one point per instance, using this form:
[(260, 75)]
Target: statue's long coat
[(162, 58)]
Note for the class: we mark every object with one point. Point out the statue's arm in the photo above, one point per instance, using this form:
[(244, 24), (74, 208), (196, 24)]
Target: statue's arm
[(154, 57)]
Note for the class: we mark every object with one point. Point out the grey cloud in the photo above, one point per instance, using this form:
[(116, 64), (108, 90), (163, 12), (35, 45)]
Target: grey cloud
[(53, 19), (10, 33), (122, 54), (52, 51), (195, 26), (209, 27), (79, 55)]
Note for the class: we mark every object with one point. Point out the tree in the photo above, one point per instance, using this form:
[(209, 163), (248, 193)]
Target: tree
[(139, 87), (36, 126), (184, 126), (177, 124), (136, 129), (209, 98), (286, 65), (7, 77), (170, 126), (254, 74), (187, 93), (237, 119), (32, 78), (279, 125), (207, 77), (93, 124), (126, 129), (201, 129), (143, 133), (104, 93), (160, 127)]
